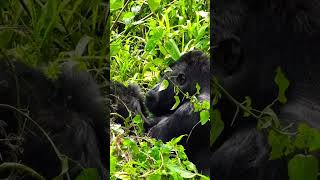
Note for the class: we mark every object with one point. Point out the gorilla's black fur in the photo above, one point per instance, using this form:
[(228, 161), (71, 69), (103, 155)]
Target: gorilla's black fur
[(126, 100), (70, 109), (192, 68), (250, 39)]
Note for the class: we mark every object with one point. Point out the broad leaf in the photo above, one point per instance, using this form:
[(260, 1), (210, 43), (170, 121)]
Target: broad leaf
[(217, 125), (116, 4), (154, 4), (302, 167), (204, 116), (164, 85)]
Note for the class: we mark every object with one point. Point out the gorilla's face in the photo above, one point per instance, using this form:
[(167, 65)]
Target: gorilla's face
[(192, 68)]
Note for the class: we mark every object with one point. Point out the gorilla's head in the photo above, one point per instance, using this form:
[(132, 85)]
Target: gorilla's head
[(192, 68), (250, 39)]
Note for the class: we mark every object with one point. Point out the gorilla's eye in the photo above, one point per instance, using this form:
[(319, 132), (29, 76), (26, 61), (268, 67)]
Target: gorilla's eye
[(181, 79), (229, 56)]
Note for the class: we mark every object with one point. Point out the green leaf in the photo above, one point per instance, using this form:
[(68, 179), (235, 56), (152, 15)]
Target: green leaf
[(137, 119), (181, 171), (302, 167), (198, 88), (304, 136), (154, 39), (177, 139), (206, 105), (176, 104), (204, 116), (128, 17), (217, 125), (315, 143), (280, 144), (164, 85), (113, 163), (173, 49), (116, 4), (154, 4), (283, 85), (307, 138)]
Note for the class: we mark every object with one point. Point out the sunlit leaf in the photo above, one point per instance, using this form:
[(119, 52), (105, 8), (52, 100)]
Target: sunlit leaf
[(198, 88), (182, 172), (176, 104), (154, 4), (116, 4), (204, 116), (164, 85)]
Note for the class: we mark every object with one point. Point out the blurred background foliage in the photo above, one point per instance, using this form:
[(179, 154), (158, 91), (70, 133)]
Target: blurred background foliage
[(44, 33)]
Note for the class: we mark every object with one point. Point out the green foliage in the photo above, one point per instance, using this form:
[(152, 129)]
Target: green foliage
[(49, 32), (135, 157), (147, 36), (284, 142), (164, 85)]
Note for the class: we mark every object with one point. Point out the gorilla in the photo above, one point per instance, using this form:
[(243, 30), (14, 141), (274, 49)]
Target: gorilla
[(126, 101), (192, 68), (70, 110), (250, 39)]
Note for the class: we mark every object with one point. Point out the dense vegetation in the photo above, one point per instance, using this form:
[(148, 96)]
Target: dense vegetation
[(146, 37)]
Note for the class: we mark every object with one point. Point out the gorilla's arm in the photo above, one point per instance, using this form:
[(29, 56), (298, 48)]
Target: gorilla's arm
[(182, 121)]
